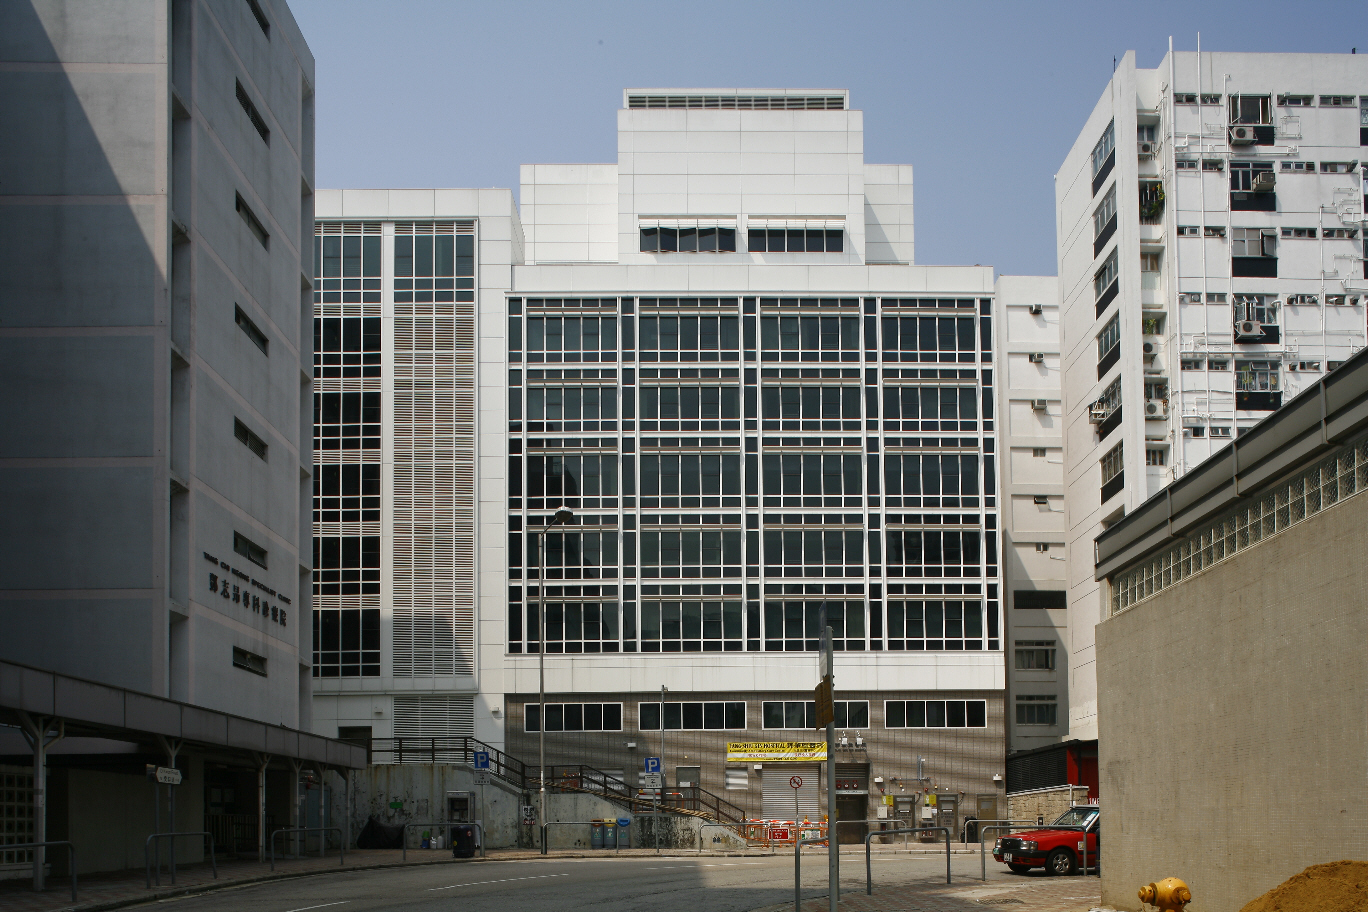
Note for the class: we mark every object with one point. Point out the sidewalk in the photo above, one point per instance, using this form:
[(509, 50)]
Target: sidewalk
[(1024, 894)]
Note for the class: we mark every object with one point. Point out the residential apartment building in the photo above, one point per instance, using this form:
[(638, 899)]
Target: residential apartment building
[(155, 459), (1210, 225), (718, 354), (1031, 431)]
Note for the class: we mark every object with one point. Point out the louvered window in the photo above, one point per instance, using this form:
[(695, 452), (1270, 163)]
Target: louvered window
[(434, 440), (741, 102), (428, 717)]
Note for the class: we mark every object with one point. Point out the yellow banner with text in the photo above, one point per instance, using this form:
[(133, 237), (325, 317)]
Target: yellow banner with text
[(776, 751)]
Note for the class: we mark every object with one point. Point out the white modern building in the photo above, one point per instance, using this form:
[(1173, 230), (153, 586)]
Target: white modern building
[(155, 462), (718, 354), (1211, 263), (1031, 431)]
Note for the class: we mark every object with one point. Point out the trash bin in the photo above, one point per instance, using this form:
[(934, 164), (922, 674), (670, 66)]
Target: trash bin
[(610, 834), (463, 841), (427, 839), (970, 829), (596, 834)]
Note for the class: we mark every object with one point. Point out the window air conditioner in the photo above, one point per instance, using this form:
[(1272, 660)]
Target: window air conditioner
[(1265, 182), (1036, 308), (1150, 349), (1242, 136), (1040, 405), (1037, 357), (1148, 148), (1097, 413), (1155, 408), (1249, 328)]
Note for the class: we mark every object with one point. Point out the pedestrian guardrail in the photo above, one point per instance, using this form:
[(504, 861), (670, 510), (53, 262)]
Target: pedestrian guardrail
[(985, 826), (341, 839), (147, 854), (545, 827), (875, 833), (869, 865), (798, 871), (447, 825), (71, 852)]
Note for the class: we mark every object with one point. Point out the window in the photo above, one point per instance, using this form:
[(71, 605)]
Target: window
[(579, 334), (1253, 242), (260, 17), (931, 475), (813, 474), (249, 661), (346, 346), (346, 564), (1208, 99), (1363, 110), (1249, 109), (1196, 431), (1145, 132), (935, 624), (577, 555), (1299, 232), (810, 403), (796, 625), (935, 714), (931, 403), (1255, 377), (249, 549), (346, 263), (1035, 655), (572, 403), (795, 240), (689, 335), (1155, 456), (692, 716), (933, 552), (347, 493), (253, 114), (1105, 276), (1040, 598), (1109, 338), (1038, 452), (245, 323), (576, 717), (1259, 308), (249, 439), (1152, 326), (1110, 400), (346, 643), (1188, 231), (1213, 164), (690, 553), (1156, 389), (691, 626), (1244, 176), (1185, 98), (1186, 164), (1151, 196), (1295, 101), (1104, 148), (738, 777), (688, 237), (1338, 167), (1104, 213), (1303, 299), (1037, 709), (1220, 430), (1042, 547), (1216, 297), (562, 477), (813, 549), (1337, 101), (433, 264), (691, 475), (346, 421), (1191, 364), (797, 714), (1341, 233), (1218, 364), (258, 230), (1112, 463), (1149, 262), (1214, 231), (946, 335), (1299, 167)]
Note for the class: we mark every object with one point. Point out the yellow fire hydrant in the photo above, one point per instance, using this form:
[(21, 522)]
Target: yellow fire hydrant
[(1168, 895)]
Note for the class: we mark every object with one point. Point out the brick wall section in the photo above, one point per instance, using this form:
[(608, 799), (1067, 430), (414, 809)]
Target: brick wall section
[(956, 759), (1047, 803), (1232, 729)]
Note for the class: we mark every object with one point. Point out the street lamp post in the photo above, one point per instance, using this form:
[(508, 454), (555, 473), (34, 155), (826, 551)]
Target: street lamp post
[(562, 516)]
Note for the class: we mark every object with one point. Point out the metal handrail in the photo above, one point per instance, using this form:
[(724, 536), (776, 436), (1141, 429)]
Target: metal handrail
[(869, 866), (841, 823), (147, 855), (1050, 826), (341, 840), (448, 824), (550, 823), (71, 850), (984, 827), (798, 844)]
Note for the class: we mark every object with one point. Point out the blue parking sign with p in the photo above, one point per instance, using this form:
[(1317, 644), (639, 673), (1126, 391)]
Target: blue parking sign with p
[(652, 764), (481, 760)]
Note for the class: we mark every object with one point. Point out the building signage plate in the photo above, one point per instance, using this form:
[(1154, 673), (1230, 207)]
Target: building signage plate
[(776, 751)]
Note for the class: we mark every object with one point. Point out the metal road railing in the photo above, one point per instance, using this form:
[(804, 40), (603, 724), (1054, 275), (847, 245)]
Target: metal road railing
[(545, 849), (403, 845), (147, 854), (341, 839), (798, 871), (985, 826), (876, 833), (869, 866), (71, 850)]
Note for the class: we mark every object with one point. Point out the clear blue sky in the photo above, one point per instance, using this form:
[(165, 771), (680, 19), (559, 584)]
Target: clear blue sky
[(982, 98)]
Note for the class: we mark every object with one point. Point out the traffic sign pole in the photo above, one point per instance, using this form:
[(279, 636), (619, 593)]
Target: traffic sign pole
[(833, 855)]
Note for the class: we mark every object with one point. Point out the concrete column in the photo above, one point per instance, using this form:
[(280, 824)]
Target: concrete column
[(36, 729), (263, 761), (295, 812)]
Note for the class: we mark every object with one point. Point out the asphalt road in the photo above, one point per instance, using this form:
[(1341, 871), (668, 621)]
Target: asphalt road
[(639, 884)]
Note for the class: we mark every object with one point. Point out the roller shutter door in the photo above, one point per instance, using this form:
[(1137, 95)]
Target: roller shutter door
[(777, 794)]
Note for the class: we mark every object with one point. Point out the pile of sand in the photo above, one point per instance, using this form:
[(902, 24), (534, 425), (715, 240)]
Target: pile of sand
[(1340, 886)]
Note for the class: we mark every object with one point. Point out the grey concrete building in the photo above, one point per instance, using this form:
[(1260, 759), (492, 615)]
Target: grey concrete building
[(1230, 671), (155, 458)]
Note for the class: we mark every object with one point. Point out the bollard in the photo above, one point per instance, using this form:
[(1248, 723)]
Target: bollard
[(1168, 895)]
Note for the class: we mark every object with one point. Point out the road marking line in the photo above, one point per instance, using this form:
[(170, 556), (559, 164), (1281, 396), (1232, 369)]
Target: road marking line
[(321, 905), (728, 864), (505, 880)]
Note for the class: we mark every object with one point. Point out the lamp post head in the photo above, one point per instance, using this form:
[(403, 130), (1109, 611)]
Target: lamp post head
[(562, 517)]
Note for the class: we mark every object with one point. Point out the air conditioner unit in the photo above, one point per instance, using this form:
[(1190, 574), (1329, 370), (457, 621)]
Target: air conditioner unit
[(1036, 308), (1265, 182), (1037, 357), (1148, 148), (1155, 408), (1249, 328), (1242, 136), (1304, 366), (1040, 404), (1097, 413), (1150, 349)]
